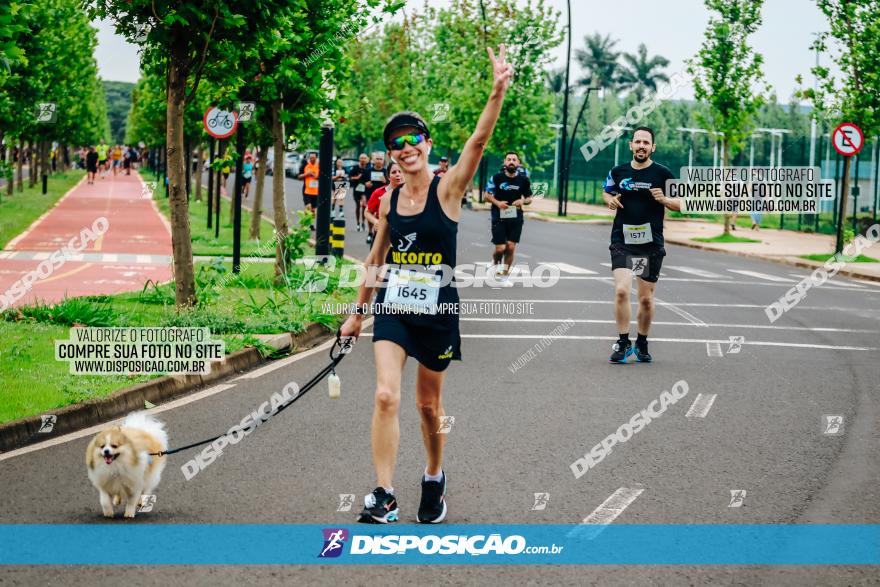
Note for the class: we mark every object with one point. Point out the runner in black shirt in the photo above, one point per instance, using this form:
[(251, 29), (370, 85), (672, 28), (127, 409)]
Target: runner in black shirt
[(635, 191), (508, 192), (372, 179), (91, 164), (357, 178)]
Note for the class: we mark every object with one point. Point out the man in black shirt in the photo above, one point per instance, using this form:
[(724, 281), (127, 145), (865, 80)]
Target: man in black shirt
[(91, 164), (635, 191), (508, 192), (357, 179), (372, 179)]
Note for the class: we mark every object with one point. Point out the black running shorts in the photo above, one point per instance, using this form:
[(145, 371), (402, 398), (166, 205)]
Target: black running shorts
[(506, 230), (433, 347), (645, 265)]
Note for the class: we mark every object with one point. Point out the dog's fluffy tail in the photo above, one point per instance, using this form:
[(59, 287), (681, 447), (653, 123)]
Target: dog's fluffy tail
[(146, 422)]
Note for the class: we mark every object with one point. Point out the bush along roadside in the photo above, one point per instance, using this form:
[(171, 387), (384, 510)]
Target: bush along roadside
[(236, 308)]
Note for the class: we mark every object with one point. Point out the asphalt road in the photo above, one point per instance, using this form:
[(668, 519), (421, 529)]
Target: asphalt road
[(517, 433)]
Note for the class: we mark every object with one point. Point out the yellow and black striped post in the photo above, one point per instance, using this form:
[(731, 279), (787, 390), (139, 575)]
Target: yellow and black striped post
[(337, 237)]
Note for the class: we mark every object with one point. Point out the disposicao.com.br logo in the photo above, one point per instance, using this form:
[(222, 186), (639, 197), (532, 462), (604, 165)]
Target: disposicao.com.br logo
[(431, 544)]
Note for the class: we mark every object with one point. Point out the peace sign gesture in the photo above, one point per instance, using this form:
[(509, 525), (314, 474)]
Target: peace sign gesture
[(501, 70)]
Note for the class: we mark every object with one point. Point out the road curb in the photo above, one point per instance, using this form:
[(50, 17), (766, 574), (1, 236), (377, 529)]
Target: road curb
[(25, 431), (793, 262)]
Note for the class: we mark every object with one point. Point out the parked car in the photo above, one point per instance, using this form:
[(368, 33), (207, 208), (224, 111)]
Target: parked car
[(291, 164), (290, 160)]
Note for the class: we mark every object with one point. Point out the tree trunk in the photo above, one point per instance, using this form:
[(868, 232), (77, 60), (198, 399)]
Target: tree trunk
[(32, 164), (45, 166), (10, 175), (20, 165), (256, 217), (278, 190), (199, 166), (844, 196), (729, 219), (184, 280)]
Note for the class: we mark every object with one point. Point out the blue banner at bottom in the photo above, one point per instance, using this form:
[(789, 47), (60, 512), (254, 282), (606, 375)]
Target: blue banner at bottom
[(176, 544)]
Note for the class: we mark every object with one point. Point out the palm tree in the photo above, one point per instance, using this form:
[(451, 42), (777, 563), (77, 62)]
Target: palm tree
[(555, 80), (639, 73), (599, 61)]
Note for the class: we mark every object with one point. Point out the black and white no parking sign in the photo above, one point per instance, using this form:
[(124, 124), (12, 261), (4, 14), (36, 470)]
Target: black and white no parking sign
[(848, 139)]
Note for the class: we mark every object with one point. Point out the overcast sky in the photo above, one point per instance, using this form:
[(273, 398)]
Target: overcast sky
[(673, 29)]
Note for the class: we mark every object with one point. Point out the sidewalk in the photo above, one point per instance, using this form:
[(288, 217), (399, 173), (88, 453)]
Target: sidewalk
[(135, 247), (783, 246)]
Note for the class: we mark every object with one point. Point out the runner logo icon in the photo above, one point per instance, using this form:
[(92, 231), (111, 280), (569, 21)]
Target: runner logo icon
[(47, 423), (832, 425), (346, 500), (639, 265), (334, 540), (541, 501), (737, 498), (410, 239)]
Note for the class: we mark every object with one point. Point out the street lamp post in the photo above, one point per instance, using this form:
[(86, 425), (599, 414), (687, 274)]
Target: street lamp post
[(556, 160), (692, 132), (617, 145)]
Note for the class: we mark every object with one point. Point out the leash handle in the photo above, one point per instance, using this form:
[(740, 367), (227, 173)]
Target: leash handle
[(345, 344)]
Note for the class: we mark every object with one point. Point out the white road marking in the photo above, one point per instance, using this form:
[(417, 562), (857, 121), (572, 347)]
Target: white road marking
[(612, 507), (109, 258), (40, 256), (837, 282), (701, 406), (566, 268), (776, 283), (144, 259), (766, 276), (867, 282), (683, 313), (661, 323), (680, 304), (95, 429), (713, 349), (701, 341), (515, 270), (697, 272), (605, 265)]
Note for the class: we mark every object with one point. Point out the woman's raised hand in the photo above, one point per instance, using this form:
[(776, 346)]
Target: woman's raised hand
[(501, 70)]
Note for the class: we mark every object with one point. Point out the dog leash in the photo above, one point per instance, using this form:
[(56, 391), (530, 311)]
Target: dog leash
[(344, 348)]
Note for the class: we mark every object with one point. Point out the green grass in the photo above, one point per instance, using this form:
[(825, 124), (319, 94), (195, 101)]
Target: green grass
[(203, 240), (825, 256), (34, 382), (576, 216), (725, 238), (19, 211), (234, 308)]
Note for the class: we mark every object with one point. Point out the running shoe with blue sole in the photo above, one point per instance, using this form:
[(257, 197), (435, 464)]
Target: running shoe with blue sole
[(380, 507), (642, 354), (620, 352)]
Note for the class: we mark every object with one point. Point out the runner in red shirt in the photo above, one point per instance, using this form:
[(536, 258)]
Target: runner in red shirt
[(395, 176)]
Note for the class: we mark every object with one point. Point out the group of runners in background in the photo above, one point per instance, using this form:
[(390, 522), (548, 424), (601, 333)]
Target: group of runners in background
[(101, 159)]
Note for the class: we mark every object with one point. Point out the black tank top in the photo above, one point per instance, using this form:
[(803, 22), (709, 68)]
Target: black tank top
[(424, 242)]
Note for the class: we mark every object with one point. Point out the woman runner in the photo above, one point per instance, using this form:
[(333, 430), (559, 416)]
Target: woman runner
[(417, 234)]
